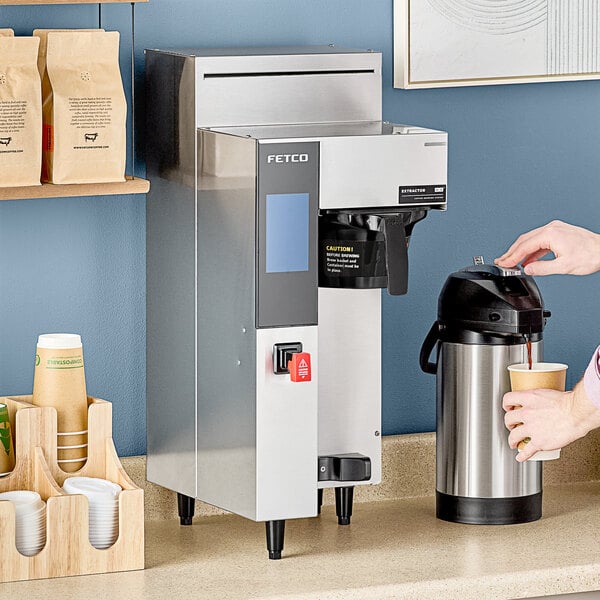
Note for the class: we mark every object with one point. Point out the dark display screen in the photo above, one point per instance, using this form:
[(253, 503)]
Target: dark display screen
[(287, 235)]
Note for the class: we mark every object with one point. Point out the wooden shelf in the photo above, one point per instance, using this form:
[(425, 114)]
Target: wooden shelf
[(25, 2), (131, 185)]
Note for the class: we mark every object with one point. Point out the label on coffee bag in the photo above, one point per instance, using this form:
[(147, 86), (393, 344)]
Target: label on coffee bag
[(13, 115)]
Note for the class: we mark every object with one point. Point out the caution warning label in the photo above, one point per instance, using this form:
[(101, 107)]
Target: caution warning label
[(350, 259)]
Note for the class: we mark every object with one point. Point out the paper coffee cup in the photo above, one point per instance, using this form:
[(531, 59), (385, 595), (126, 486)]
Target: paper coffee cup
[(7, 453), (59, 382), (548, 376)]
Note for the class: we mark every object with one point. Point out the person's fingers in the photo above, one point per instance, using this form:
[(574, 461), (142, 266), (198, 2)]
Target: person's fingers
[(521, 251), (545, 267), (534, 257), (512, 400), (529, 449), (519, 439), (517, 435), (534, 241), (512, 419)]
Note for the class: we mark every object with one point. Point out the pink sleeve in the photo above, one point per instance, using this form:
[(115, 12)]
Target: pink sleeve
[(591, 379)]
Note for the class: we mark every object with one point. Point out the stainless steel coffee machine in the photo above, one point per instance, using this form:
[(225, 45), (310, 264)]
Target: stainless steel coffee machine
[(487, 318), (280, 205)]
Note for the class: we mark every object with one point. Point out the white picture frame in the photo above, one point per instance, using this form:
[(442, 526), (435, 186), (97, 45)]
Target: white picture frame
[(454, 43)]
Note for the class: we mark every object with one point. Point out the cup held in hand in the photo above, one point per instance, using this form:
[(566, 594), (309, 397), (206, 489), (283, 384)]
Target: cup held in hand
[(549, 376)]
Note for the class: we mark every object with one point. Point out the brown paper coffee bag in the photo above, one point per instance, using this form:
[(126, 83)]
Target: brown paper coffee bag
[(20, 112), (85, 111), (6, 33), (43, 35)]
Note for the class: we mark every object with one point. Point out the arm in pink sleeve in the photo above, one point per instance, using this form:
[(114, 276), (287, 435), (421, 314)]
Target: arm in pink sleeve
[(591, 379)]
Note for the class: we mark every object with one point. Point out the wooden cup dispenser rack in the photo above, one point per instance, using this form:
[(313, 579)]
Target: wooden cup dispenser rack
[(68, 550)]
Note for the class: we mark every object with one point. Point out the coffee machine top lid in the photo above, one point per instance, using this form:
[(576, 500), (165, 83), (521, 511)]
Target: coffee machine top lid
[(489, 299)]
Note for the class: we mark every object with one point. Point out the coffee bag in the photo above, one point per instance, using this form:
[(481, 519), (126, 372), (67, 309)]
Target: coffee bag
[(43, 35), (84, 111), (20, 112)]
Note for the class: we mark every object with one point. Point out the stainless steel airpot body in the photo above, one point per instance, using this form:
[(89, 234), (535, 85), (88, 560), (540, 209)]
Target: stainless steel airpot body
[(486, 315)]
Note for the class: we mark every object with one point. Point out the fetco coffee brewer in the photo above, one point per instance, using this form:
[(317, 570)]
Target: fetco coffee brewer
[(280, 205), (487, 316)]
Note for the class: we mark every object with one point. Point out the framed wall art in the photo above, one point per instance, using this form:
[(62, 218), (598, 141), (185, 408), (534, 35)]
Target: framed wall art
[(446, 43)]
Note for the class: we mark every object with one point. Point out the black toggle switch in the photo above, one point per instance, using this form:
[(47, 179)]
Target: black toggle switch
[(344, 467), (282, 354)]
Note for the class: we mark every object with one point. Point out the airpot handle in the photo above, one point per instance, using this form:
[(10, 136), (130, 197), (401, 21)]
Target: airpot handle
[(429, 344)]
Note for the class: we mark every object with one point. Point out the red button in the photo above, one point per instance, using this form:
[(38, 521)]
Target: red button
[(299, 366)]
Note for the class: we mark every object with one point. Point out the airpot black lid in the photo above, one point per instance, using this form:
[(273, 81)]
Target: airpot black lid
[(488, 299)]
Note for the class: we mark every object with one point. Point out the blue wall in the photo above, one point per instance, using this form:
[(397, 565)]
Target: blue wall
[(519, 156)]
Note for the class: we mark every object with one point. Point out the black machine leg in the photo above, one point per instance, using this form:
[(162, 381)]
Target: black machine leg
[(343, 504), (185, 507), (275, 533), (319, 500)]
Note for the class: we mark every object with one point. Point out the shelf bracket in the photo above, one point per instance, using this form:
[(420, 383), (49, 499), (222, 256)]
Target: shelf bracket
[(133, 89)]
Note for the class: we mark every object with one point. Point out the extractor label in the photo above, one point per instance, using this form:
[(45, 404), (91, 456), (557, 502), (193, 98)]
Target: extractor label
[(422, 194)]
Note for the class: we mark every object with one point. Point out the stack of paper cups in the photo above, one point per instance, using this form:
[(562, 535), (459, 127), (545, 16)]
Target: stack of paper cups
[(103, 500), (30, 520), (59, 381), (7, 453)]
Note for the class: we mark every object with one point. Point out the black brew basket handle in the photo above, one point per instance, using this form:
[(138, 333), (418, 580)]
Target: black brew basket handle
[(429, 344), (396, 255)]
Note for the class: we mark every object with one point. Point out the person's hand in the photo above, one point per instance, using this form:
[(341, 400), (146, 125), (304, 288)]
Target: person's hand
[(576, 250), (551, 419)]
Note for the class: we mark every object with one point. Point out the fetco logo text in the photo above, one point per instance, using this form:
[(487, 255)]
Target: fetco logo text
[(287, 158)]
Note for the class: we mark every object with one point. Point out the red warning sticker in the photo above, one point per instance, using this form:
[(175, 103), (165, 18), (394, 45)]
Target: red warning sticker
[(299, 367)]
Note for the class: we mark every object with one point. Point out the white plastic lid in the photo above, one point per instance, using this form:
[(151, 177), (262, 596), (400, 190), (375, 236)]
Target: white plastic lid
[(25, 501), (92, 487), (59, 340), (21, 497)]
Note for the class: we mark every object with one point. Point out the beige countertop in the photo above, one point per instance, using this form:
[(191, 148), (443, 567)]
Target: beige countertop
[(392, 549)]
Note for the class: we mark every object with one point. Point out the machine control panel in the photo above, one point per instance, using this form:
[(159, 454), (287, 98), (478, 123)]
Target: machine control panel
[(287, 234)]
